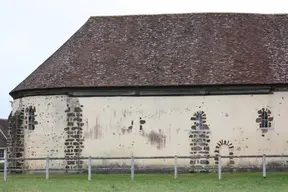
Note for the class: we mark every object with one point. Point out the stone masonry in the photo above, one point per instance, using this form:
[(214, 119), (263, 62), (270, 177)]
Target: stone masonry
[(200, 138), (15, 140), (74, 132)]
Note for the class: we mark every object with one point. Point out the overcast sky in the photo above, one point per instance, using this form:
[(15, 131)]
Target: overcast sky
[(31, 30)]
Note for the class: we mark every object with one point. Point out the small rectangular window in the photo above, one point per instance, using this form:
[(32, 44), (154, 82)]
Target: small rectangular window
[(264, 119), (1, 153), (31, 119)]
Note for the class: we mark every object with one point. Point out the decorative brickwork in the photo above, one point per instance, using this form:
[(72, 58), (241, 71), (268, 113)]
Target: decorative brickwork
[(218, 148), (74, 131), (200, 138), (15, 140)]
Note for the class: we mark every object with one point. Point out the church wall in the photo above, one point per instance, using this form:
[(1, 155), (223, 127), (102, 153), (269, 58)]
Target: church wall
[(48, 136), (155, 126)]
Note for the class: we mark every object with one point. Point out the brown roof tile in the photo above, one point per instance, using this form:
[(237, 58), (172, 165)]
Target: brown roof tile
[(169, 49)]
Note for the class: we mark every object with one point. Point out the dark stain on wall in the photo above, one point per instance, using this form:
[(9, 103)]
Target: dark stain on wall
[(131, 126), (156, 139), (218, 148), (74, 131), (95, 133), (200, 139), (142, 122), (15, 140), (97, 130), (128, 130)]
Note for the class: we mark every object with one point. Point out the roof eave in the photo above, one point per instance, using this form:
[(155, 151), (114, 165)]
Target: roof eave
[(154, 90)]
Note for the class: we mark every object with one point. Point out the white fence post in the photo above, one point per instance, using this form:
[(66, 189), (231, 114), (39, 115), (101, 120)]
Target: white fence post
[(132, 168), (175, 167), (47, 168), (264, 166), (5, 169), (219, 167), (89, 168)]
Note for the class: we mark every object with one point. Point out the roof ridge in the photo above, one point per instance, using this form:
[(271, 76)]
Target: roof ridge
[(186, 13)]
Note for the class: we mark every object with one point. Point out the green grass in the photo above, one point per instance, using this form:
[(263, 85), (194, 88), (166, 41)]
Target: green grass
[(231, 182)]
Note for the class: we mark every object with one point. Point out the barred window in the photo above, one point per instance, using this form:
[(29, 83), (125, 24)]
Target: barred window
[(264, 118), (31, 119), (199, 121), (2, 153)]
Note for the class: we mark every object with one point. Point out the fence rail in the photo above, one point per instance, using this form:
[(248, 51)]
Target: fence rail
[(154, 157), (132, 169)]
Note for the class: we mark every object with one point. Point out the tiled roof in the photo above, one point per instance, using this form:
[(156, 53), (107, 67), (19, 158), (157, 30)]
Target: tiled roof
[(4, 130), (167, 50)]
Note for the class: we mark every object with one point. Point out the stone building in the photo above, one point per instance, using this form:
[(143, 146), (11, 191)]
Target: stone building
[(158, 85)]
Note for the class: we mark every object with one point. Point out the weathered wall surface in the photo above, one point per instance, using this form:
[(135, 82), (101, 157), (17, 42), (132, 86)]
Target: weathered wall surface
[(154, 126), (48, 136)]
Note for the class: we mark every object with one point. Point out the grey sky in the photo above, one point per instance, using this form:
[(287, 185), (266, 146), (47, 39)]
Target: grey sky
[(31, 30)]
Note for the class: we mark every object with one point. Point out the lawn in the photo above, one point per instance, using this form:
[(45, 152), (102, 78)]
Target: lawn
[(231, 182)]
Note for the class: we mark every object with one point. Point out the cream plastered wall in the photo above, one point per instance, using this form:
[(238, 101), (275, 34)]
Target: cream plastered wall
[(157, 126), (48, 137)]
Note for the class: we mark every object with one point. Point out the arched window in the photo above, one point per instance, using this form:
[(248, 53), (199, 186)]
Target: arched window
[(264, 118), (31, 118), (199, 121), (199, 118)]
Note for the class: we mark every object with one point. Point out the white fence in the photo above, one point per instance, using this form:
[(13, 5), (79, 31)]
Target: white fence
[(132, 168)]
